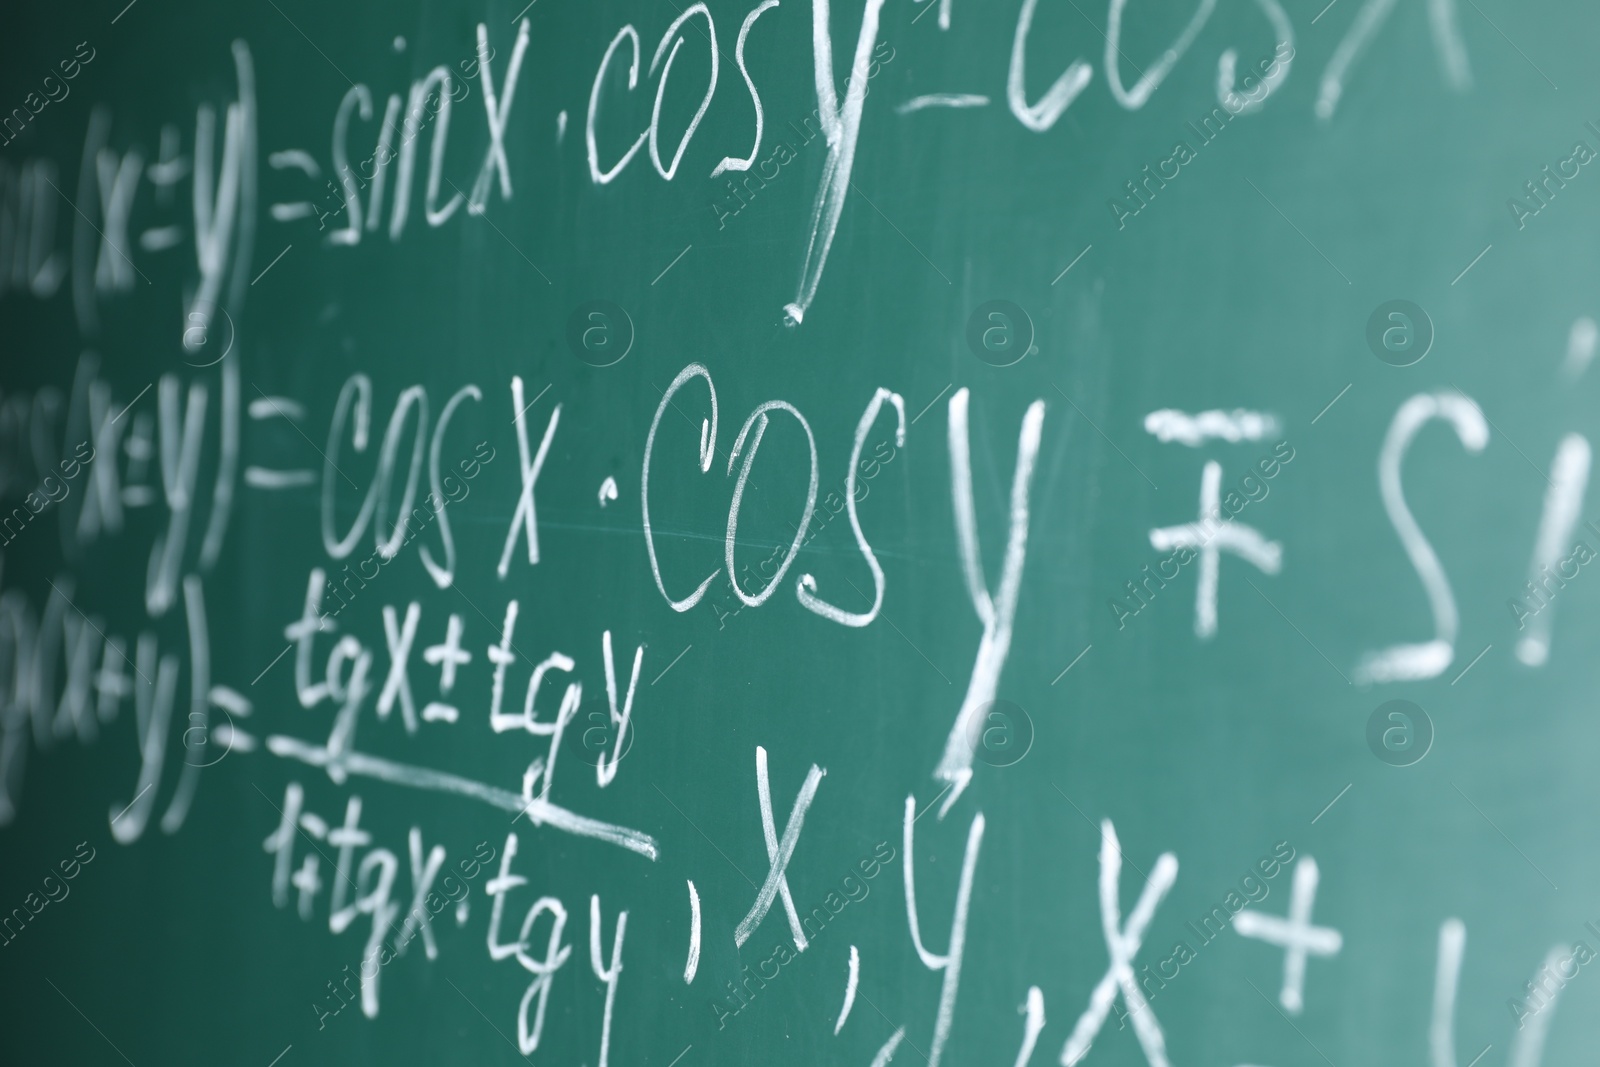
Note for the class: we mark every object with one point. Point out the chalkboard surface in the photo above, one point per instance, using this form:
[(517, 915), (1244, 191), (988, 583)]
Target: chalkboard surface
[(948, 532)]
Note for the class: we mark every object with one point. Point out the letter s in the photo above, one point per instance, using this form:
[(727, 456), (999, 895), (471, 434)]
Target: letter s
[(444, 575), (731, 162), (1428, 659), (806, 588), (358, 97)]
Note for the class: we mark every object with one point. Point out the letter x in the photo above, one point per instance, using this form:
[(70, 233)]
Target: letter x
[(119, 179), (1122, 946), (497, 113), (526, 517), (399, 638), (418, 917), (778, 853)]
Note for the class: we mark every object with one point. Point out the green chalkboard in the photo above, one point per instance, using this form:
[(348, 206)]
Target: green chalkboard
[(951, 532)]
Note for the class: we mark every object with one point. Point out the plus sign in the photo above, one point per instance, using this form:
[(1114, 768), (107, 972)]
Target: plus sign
[(1208, 537), (1295, 935), (308, 883), (448, 655)]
